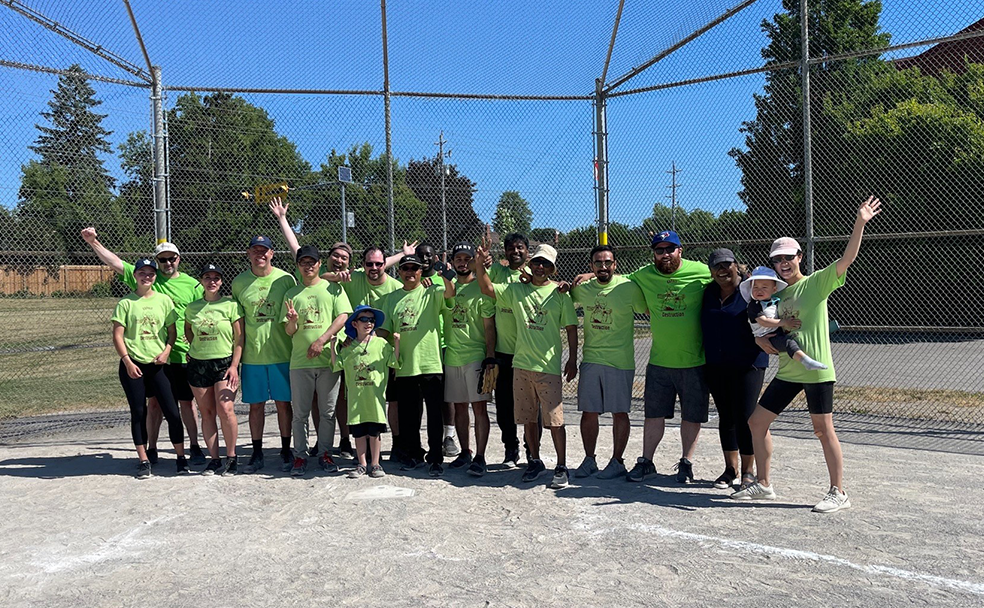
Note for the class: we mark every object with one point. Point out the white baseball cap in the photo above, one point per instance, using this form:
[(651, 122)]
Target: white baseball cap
[(785, 246), (165, 246)]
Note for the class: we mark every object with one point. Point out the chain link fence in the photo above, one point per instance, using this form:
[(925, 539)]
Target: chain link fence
[(704, 133)]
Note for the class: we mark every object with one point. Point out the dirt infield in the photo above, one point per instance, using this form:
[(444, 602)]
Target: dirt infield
[(78, 530)]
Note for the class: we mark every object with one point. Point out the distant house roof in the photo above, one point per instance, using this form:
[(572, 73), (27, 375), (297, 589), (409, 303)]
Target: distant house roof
[(948, 56)]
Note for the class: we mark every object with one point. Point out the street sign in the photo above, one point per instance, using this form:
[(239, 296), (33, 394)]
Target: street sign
[(345, 175)]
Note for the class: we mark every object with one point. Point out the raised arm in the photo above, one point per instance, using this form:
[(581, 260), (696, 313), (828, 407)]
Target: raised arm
[(279, 211), (869, 209), (395, 258), (489, 323), (106, 256), (481, 273)]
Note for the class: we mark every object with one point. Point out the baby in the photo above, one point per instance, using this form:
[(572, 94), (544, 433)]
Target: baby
[(759, 291)]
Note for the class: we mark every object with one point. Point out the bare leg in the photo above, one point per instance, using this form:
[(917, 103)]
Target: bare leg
[(532, 431), (141, 452), (589, 432), (257, 417), (461, 424), (375, 444), (652, 434), (285, 417), (689, 431), (731, 460), (225, 407), (189, 417), (759, 423), (620, 434), (482, 427), (360, 451), (823, 428), (559, 434), (747, 464), (210, 430)]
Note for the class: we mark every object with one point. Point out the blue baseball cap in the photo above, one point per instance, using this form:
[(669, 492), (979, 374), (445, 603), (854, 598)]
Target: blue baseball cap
[(142, 262), (261, 241), (349, 324), (667, 236)]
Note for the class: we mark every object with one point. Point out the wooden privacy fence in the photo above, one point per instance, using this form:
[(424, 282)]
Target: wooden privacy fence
[(41, 281)]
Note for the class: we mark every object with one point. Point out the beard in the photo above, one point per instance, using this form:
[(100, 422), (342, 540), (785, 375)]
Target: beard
[(668, 265)]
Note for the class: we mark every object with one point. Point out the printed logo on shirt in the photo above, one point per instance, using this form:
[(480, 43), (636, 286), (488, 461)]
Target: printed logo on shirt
[(408, 319), (537, 318), (672, 304), (310, 314), (600, 314), (147, 327), (207, 327), (459, 316), (263, 307), (363, 374)]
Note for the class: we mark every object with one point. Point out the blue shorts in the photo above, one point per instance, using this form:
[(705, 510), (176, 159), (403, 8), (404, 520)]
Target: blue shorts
[(262, 383)]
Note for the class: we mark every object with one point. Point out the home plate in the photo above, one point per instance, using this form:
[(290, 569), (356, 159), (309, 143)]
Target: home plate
[(380, 493)]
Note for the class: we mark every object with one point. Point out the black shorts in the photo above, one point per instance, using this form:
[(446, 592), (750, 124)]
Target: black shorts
[(371, 429), (780, 393), (177, 377), (204, 373)]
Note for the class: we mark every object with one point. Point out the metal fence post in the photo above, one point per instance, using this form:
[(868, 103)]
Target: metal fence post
[(601, 160), (807, 134), (161, 206), (389, 133)]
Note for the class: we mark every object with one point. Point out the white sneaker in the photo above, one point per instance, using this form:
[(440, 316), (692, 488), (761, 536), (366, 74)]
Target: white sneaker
[(835, 500), (588, 467), (755, 491), (612, 470)]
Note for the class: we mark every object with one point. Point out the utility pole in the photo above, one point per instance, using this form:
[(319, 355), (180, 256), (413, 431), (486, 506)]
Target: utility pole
[(673, 199), (443, 171)]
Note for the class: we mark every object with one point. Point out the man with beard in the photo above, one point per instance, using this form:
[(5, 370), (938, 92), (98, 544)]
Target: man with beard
[(604, 385), (470, 336), (673, 288), (183, 290)]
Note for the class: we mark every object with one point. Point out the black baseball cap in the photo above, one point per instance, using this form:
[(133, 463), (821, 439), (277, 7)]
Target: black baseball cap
[(463, 247), (410, 259), (308, 251), (210, 267)]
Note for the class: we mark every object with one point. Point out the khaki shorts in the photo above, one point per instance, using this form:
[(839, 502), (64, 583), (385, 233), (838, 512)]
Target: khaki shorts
[(538, 393), (461, 383)]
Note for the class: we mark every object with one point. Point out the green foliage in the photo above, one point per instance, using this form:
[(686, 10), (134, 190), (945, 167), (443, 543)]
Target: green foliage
[(424, 179), (512, 214)]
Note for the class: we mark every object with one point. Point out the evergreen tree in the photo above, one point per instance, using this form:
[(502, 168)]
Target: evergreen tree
[(512, 214)]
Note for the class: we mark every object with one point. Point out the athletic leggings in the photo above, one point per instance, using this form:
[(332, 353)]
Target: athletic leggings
[(412, 393), (735, 392), (136, 390)]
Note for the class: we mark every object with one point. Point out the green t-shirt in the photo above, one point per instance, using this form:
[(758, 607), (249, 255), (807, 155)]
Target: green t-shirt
[(416, 316), (505, 320), (806, 300), (541, 313), (183, 290), (464, 328), (317, 306), (609, 321), (145, 322), (366, 375), (360, 291), (261, 298), (674, 302), (211, 327)]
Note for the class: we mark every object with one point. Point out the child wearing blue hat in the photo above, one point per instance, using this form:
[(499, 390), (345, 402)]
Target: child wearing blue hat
[(364, 358), (759, 291)]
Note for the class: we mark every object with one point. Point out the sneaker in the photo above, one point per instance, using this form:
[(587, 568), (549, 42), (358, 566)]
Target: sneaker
[(643, 468), (197, 456), (152, 455), (436, 470), (684, 471), (396, 455), (376, 471), (345, 449), (613, 469), (232, 466), (255, 462), (450, 447), (287, 461), (327, 464), (726, 480), (357, 472), (477, 467), (588, 467), (533, 470), (835, 500), (512, 458), (143, 469), (411, 463), (560, 478), (755, 491), (299, 467), (747, 479), (463, 460), (181, 465), (213, 466)]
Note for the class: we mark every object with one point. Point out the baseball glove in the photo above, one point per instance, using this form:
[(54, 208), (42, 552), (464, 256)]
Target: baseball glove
[(488, 375)]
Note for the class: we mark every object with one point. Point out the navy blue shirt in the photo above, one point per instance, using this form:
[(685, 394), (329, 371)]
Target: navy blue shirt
[(728, 339)]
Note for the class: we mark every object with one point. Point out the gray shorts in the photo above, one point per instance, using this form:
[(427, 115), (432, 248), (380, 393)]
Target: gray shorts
[(663, 384), (461, 383), (603, 389)]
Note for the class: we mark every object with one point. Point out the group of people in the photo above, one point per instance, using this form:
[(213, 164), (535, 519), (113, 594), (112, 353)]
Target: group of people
[(369, 352)]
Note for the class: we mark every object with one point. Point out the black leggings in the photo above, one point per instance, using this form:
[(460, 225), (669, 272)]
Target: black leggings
[(411, 393), (735, 392), (505, 414), (155, 382)]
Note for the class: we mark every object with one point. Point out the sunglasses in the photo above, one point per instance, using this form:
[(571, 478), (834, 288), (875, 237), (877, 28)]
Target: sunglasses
[(409, 268), (664, 250), (169, 260), (723, 265), (783, 258), (366, 320), (603, 263), (373, 264), (539, 262)]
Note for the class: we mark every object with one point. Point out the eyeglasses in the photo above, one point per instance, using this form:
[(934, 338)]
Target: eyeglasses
[(783, 258), (170, 260), (307, 262), (603, 263), (664, 250), (366, 320), (373, 264), (409, 268)]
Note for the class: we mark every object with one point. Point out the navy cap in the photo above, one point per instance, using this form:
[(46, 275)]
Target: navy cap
[(463, 247), (667, 236), (308, 251), (144, 262), (409, 259), (261, 241), (210, 267)]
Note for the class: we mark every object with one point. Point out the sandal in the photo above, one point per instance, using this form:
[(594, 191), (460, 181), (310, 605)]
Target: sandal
[(726, 479)]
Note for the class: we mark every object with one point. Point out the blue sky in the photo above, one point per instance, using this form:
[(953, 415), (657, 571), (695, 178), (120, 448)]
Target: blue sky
[(550, 47)]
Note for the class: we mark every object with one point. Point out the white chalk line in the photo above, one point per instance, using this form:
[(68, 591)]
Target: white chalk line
[(120, 546), (749, 547)]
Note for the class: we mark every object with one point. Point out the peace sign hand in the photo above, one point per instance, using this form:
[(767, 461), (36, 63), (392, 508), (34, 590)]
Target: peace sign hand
[(291, 313)]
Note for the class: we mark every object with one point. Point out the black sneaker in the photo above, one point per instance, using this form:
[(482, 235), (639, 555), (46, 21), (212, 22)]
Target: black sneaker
[(512, 458), (255, 462), (345, 449), (286, 461), (684, 471), (411, 463), (313, 451), (232, 466), (143, 469), (560, 478), (152, 455), (197, 456), (436, 470), (463, 460), (213, 466), (477, 467), (644, 468), (181, 465), (533, 470)]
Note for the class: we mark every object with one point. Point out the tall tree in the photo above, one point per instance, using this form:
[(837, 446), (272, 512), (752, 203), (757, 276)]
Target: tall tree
[(463, 224), (512, 214)]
